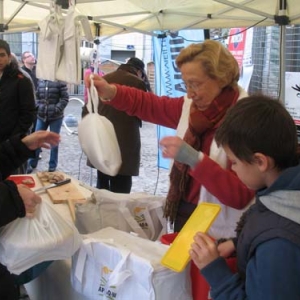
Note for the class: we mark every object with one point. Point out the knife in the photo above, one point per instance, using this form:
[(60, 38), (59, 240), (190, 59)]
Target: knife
[(50, 186)]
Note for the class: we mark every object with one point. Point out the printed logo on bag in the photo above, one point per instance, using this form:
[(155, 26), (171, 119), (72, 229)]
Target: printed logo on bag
[(104, 290), (139, 216)]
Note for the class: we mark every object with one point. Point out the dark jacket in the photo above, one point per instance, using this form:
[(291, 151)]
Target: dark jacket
[(17, 105), (127, 127), (268, 247), (32, 75), (12, 154), (51, 97)]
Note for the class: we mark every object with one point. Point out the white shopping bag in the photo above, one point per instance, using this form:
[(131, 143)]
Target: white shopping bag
[(112, 264), (136, 212), (98, 139), (26, 242)]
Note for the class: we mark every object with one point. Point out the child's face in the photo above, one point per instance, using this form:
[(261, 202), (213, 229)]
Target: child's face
[(248, 173)]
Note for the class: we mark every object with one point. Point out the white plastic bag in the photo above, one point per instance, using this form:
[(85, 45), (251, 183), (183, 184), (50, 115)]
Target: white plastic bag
[(26, 242), (112, 264), (136, 212), (98, 139)]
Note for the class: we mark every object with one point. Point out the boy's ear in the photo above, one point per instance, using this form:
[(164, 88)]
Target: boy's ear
[(262, 161)]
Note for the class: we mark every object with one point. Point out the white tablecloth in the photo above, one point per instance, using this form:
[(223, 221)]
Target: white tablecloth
[(54, 283)]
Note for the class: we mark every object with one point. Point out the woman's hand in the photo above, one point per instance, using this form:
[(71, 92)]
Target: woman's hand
[(203, 250), (170, 146), (41, 139), (30, 199), (105, 90)]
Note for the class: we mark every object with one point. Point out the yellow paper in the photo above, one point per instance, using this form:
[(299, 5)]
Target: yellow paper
[(177, 256)]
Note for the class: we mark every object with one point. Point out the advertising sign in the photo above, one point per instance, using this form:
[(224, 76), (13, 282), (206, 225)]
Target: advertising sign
[(168, 79), (292, 95)]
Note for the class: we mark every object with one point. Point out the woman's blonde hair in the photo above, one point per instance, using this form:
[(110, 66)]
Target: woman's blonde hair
[(217, 61)]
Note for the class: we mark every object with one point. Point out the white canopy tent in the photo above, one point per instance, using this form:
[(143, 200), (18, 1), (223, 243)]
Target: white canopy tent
[(144, 16)]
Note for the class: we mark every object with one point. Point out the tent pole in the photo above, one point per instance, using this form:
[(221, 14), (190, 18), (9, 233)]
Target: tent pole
[(1, 18), (282, 20), (282, 64)]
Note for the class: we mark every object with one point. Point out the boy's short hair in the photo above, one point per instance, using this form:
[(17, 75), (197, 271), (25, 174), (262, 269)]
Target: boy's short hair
[(260, 124), (4, 45)]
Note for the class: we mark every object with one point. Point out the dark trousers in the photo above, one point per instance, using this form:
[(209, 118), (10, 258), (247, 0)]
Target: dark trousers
[(9, 290), (55, 126), (116, 184)]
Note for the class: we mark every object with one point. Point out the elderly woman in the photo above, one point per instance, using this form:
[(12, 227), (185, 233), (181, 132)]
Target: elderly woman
[(201, 171)]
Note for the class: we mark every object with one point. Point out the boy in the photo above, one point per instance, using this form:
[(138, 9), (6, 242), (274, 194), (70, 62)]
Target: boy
[(259, 138)]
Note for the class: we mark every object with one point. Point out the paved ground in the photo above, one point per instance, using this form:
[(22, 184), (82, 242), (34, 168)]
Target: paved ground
[(72, 161)]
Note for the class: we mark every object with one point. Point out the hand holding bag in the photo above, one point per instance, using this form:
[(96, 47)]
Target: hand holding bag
[(26, 242), (98, 139)]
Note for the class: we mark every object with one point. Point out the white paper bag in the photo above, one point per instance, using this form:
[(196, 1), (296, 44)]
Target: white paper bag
[(98, 139), (26, 242), (136, 212), (112, 264)]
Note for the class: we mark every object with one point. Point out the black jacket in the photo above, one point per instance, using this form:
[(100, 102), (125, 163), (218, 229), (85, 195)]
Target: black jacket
[(12, 154), (17, 105), (32, 75), (52, 97)]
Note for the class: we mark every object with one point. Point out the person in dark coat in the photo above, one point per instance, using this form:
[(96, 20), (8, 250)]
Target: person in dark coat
[(127, 131), (17, 105), (29, 63), (17, 201), (29, 67), (140, 66), (51, 98)]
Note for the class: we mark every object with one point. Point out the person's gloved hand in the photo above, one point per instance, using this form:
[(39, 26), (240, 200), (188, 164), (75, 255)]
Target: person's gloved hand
[(174, 147)]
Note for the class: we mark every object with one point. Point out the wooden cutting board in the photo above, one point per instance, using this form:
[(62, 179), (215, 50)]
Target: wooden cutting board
[(63, 193)]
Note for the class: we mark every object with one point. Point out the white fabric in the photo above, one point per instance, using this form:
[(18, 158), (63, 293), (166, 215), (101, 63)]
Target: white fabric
[(50, 43), (113, 264), (162, 15), (26, 242), (59, 45), (69, 68), (98, 139), (136, 212), (225, 224)]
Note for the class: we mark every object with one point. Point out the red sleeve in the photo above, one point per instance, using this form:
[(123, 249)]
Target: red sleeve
[(148, 107), (223, 184)]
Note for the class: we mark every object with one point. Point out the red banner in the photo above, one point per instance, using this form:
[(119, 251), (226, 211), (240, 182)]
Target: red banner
[(236, 45)]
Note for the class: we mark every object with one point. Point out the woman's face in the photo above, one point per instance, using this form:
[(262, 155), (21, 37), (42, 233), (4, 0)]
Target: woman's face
[(200, 88)]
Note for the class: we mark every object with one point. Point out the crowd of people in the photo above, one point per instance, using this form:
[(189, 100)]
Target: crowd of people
[(235, 150)]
